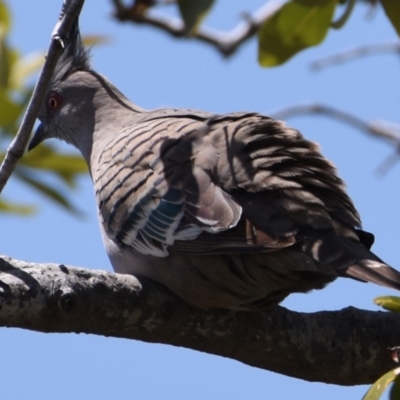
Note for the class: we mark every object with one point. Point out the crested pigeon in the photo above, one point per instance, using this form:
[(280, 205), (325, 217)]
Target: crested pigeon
[(231, 211)]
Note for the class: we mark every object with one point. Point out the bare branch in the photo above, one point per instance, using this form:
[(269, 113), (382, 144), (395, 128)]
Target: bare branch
[(352, 54), (347, 347), (70, 12), (225, 42), (380, 130), (389, 162)]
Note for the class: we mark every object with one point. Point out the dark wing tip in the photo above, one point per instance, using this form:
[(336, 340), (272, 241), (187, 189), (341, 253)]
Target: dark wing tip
[(367, 239)]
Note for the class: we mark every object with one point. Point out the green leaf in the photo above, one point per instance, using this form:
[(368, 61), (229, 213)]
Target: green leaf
[(294, 27), (9, 110), (391, 303), (5, 19), (94, 40), (8, 207), (65, 166), (377, 389), (4, 64), (47, 190), (392, 10), (7, 55), (193, 12), (23, 68), (395, 390)]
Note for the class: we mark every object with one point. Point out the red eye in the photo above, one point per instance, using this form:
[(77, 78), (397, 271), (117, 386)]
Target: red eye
[(53, 101)]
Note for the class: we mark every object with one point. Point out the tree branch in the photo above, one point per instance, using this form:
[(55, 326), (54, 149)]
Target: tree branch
[(225, 42), (70, 12), (352, 54), (378, 130), (346, 347)]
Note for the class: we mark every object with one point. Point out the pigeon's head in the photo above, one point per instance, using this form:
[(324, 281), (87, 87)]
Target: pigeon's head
[(67, 112), (80, 105)]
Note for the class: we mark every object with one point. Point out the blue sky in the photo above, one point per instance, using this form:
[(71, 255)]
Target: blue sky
[(155, 70)]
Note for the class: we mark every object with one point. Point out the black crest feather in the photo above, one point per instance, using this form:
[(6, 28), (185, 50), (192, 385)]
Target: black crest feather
[(74, 58)]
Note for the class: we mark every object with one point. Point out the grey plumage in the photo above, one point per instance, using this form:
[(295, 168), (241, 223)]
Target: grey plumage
[(234, 211)]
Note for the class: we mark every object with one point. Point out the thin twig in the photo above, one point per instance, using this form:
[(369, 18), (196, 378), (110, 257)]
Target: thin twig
[(339, 23), (352, 54), (388, 163), (376, 129), (225, 42), (69, 13)]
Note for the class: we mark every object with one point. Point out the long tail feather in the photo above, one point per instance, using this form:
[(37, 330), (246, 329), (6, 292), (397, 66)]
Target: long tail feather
[(374, 271), (350, 258)]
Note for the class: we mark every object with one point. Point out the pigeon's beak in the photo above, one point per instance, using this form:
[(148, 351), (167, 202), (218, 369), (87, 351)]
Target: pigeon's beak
[(38, 137)]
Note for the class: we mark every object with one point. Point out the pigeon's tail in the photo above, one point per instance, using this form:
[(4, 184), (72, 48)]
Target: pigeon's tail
[(350, 258), (369, 270)]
